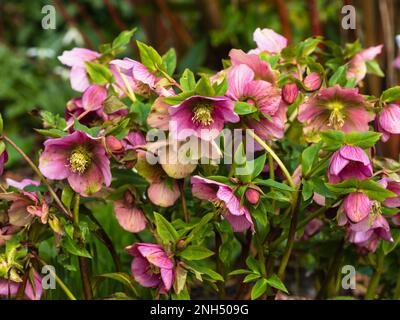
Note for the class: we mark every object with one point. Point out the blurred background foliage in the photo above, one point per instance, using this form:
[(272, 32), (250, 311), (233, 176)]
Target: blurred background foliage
[(201, 31)]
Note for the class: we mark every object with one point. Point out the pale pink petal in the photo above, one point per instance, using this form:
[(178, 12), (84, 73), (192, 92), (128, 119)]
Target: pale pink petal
[(269, 40)]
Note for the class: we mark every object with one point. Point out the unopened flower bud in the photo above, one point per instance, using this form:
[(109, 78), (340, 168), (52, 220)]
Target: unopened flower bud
[(252, 196), (114, 145), (290, 92), (312, 81)]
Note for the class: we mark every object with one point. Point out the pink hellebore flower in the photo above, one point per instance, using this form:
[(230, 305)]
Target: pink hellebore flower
[(151, 267), (201, 116), (79, 158), (349, 162), (162, 194), (75, 59), (394, 186), (365, 234), (130, 217), (223, 197), (262, 70), (268, 40), (357, 206), (335, 108), (32, 291), (388, 121), (242, 86), (357, 67), (26, 205)]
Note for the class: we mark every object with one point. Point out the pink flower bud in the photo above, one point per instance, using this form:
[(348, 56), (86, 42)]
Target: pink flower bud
[(114, 144), (163, 195), (252, 196), (313, 81), (290, 92)]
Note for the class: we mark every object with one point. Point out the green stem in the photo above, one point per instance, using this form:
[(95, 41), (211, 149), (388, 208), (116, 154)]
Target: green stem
[(376, 277), (39, 174), (275, 156), (186, 216), (291, 235), (220, 266), (83, 262)]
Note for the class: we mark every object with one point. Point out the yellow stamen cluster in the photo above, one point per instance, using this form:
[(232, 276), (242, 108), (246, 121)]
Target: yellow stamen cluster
[(202, 113), (336, 118), (79, 160)]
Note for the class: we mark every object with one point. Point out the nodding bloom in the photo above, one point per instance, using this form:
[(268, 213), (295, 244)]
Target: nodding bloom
[(25, 205), (79, 158), (151, 266), (268, 40), (312, 228), (357, 65), (224, 198), (394, 186), (357, 206), (366, 233), (201, 116), (76, 59), (335, 108), (33, 291), (138, 77), (3, 160), (388, 121), (130, 217), (163, 194), (242, 86), (349, 162), (262, 69)]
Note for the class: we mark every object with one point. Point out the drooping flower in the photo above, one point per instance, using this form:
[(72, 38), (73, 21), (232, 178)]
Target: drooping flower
[(357, 66), (79, 158), (268, 40), (151, 267), (349, 162), (224, 198), (335, 108), (75, 59), (25, 205), (242, 86), (357, 206), (33, 291), (129, 216), (163, 194), (366, 233), (394, 186), (201, 116), (388, 121)]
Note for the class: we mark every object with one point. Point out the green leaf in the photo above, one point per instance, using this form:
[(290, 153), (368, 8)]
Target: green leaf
[(196, 253), (273, 184), (333, 139), (204, 87), (251, 277), (239, 272), (121, 277), (204, 270), (149, 56), (339, 77), (72, 247), (374, 68), (259, 289), (34, 188), (66, 196), (52, 133), (220, 88), (1, 124), (169, 61), (243, 108), (165, 229), (390, 95), (390, 246), (253, 264), (307, 190), (199, 227), (309, 157), (177, 99), (374, 190), (187, 80), (123, 39), (98, 73), (257, 165), (276, 283), (362, 139)]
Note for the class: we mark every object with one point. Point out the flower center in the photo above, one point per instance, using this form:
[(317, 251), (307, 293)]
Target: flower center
[(202, 114), (336, 118), (79, 160)]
